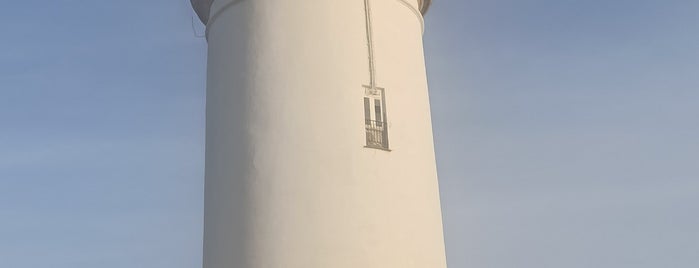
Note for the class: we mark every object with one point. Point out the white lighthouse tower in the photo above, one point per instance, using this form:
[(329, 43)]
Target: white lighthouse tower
[(319, 149)]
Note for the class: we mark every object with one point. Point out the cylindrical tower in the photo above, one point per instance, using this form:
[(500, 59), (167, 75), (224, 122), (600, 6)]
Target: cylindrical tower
[(319, 149)]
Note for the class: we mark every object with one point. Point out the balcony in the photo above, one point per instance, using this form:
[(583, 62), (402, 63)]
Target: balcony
[(376, 134)]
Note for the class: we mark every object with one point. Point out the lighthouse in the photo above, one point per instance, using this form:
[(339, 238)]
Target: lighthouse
[(319, 147)]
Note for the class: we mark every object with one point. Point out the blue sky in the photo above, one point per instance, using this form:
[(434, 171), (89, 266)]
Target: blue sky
[(567, 133)]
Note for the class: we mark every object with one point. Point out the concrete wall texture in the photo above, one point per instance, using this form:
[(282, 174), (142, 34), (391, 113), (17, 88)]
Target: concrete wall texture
[(289, 181)]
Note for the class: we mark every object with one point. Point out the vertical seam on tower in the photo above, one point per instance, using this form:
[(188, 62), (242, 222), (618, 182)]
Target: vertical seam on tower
[(370, 44)]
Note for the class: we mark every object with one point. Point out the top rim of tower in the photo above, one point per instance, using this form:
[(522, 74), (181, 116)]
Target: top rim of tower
[(203, 7)]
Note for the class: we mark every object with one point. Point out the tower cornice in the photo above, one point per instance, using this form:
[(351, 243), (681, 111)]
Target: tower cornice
[(203, 7)]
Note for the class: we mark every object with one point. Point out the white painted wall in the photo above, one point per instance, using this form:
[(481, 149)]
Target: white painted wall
[(289, 183)]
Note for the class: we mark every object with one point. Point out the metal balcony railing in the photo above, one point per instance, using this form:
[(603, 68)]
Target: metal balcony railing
[(376, 134)]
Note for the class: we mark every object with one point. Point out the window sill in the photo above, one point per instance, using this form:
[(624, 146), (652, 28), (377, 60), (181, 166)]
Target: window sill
[(377, 148)]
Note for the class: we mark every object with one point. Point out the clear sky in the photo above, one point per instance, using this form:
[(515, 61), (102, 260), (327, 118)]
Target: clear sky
[(567, 133)]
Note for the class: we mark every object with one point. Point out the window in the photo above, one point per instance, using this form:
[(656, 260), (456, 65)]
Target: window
[(375, 119), (377, 108), (367, 109)]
